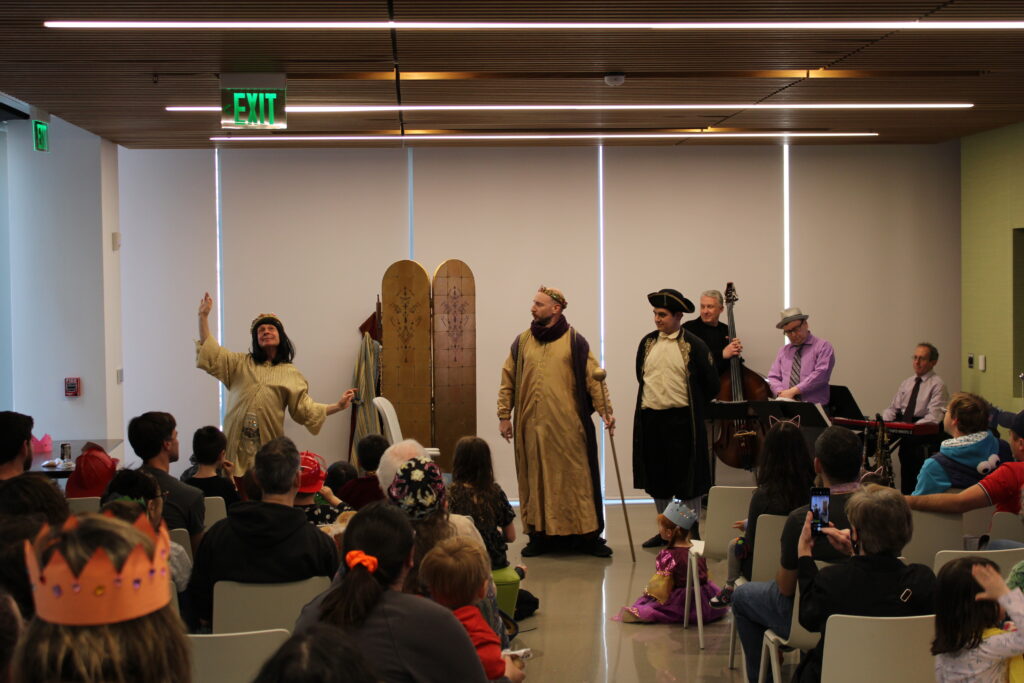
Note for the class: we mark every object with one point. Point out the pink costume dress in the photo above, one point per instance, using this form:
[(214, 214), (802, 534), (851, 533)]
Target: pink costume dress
[(673, 560)]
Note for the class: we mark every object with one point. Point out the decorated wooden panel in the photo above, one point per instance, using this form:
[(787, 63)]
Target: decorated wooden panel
[(454, 356), (405, 359)]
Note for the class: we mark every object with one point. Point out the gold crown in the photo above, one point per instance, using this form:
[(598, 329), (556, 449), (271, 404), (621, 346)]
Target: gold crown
[(555, 294), (100, 594)]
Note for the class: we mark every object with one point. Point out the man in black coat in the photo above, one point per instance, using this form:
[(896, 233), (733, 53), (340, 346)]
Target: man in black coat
[(677, 380)]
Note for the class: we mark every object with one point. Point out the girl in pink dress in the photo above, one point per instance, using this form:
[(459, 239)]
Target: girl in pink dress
[(664, 600)]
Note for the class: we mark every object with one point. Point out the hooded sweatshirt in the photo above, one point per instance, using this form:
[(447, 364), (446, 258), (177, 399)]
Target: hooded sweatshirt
[(961, 462), (259, 543)]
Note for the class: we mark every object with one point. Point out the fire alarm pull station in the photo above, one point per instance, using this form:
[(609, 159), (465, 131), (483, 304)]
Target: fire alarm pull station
[(72, 386)]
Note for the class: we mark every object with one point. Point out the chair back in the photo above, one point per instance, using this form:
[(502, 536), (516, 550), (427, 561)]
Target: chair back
[(1004, 525), (389, 419), (977, 522), (81, 506), (799, 637), (182, 538), (216, 510), (1006, 559), (934, 531), (726, 505), (233, 657), (257, 606), (767, 547), (859, 649)]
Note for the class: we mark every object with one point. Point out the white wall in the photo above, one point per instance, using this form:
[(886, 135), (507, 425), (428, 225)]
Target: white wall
[(57, 275), (876, 259), (169, 255), (308, 235)]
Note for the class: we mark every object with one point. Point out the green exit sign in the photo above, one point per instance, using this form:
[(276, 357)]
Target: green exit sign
[(41, 136), (252, 108)]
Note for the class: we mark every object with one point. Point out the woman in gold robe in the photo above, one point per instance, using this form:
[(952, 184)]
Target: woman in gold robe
[(261, 384)]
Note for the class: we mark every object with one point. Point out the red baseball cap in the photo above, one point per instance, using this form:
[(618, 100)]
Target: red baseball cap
[(312, 472), (93, 471)]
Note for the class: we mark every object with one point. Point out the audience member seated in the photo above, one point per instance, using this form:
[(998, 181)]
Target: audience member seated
[(761, 605), (874, 582), (11, 625), (267, 541), (476, 494), (456, 573), (311, 483), (340, 473), (14, 531), (972, 453), (33, 493), (321, 654), (94, 469), (393, 458), (15, 444), (133, 488), (1001, 488), (154, 438), (209, 452), (665, 596), (785, 474), (366, 489), (403, 637), (133, 635), (973, 639)]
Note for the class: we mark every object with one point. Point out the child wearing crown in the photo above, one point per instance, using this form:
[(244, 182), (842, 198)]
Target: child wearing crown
[(102, 593), (664, 599)]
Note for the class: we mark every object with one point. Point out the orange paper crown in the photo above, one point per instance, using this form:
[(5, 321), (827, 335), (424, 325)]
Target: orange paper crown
[(100, 594)]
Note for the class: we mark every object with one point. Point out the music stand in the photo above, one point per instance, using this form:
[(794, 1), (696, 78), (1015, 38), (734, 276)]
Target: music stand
[(842, 404)]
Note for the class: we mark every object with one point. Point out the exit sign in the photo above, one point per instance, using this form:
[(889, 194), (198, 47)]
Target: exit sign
[(252, 108), (41, 136)]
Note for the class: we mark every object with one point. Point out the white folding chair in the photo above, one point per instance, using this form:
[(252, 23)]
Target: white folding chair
[(255, 606), (216, 510), (181, 537), (859, 649), (934, 531), (773, 645), (726, 505), (1006, 525), (392, 430), (81, 506), (1006, 559), (233, 657), (767, 558), (977, 522)]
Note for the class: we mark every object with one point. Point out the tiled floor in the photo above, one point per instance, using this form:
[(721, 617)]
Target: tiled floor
[(573, 637)]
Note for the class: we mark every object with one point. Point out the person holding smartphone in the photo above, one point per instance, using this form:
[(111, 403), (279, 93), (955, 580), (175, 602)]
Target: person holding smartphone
[(760, 605)]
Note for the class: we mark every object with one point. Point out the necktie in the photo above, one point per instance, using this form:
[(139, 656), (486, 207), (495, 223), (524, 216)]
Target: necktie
[(794, 373), (908, 413)]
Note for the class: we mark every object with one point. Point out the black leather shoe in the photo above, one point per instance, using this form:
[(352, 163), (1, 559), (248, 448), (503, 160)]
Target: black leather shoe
[(534, 548), (595, 547), (655, 541)]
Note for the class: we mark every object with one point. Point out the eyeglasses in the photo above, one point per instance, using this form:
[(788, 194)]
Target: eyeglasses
[(793, 330)]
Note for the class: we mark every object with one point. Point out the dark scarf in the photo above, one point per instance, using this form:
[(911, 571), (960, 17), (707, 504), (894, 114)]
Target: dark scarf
[(545, 334)]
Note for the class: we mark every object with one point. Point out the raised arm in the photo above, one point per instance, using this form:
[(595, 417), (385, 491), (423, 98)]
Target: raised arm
[(205, 306)]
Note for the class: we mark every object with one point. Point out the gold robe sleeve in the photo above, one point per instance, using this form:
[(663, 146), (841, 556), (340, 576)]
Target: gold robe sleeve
[(303, 408), (507, 390), (597, 395), (217, 361)]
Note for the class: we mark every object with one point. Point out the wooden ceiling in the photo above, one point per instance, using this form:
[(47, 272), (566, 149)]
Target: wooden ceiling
[(116, 83)]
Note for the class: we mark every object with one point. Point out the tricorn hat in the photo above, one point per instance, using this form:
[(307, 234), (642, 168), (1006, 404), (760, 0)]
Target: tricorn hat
[(791, 315), (671, 300)]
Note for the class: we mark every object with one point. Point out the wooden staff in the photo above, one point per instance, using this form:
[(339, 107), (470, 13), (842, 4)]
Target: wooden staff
[(599, 375)]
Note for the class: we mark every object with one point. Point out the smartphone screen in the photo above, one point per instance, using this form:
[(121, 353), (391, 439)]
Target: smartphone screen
[(819, 509)]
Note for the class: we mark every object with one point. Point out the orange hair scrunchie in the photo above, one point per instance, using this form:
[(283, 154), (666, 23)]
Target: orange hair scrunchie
[(354, 557)]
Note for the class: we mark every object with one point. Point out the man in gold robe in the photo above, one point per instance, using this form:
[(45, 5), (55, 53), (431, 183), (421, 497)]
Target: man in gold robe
[(547, 383)]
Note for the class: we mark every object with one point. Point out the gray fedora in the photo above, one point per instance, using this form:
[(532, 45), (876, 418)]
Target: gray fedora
[(791, 315)]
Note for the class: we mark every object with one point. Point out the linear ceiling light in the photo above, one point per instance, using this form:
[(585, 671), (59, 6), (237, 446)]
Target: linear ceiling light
[(551, 25), (348, 109), (524, 136)]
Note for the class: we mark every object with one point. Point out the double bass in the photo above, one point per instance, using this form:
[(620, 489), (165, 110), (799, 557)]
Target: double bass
[(737, 442)]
